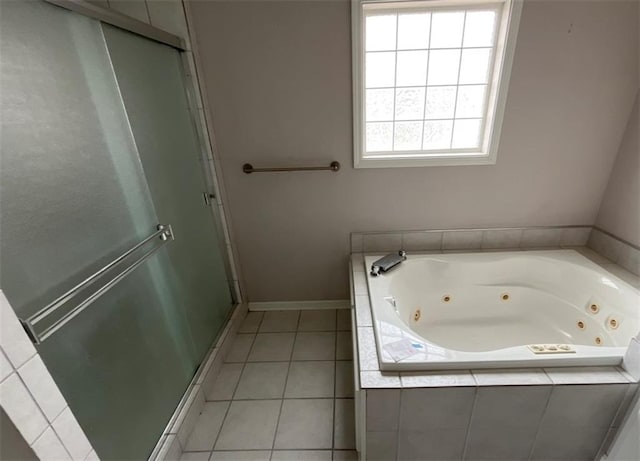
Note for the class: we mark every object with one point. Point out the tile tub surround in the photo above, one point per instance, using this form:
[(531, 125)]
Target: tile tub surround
[(618, 251), (285, 391), (31, 398), (484, 414)]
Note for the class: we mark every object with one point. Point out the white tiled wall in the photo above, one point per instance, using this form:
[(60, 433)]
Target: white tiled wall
[(31, 398), (617, 251)]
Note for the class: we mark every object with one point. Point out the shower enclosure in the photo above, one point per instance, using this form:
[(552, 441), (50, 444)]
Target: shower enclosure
[(99, 149)]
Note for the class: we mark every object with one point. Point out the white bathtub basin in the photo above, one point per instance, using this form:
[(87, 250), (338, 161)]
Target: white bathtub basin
[(510, 309)]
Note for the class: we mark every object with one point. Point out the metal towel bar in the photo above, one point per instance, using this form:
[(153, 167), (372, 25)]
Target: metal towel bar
[(333, 166), (163, 232)]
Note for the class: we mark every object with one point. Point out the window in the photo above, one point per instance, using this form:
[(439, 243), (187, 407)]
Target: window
[(430, 80)]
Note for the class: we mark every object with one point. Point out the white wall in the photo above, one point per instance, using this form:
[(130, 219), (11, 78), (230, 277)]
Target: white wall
[(278, 76)]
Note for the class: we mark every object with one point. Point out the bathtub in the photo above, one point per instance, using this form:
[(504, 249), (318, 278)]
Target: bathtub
[(500, 309)]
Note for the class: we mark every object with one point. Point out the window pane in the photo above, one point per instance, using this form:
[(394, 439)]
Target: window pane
[(379, 105), (470, 102), (409, 103), (474, 67), (437, 134), (380, 69), (379, 137), (413, 31), (412, 68), (440, 102), (466, 134), (478, 28), (443, 67), (446, 29), (407, 136), (381, 32)]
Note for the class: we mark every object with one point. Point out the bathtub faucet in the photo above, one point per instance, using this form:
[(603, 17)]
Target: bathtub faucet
[(387, 262)]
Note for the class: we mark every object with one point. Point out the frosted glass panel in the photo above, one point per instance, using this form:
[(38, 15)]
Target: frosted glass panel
[(412, 68), (409, 103), (407, 135), (441, 102), (381, 32), (437, 134), (380, 68), (379, 137), (474, 67), (466, 134), (443, 67), (470, 101), (413, 31), (479, 28), (446, 29), (379, 105)]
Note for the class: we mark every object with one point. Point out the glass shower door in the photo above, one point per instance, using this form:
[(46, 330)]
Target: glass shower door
[(93, 158)]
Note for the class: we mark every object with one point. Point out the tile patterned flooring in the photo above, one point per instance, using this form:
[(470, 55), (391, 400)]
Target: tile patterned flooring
[(285, 392)]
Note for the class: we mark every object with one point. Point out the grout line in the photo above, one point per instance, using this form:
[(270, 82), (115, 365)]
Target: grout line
[(468, 431)]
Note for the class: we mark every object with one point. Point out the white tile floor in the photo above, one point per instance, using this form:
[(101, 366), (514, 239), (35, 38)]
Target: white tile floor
[(285, 393)]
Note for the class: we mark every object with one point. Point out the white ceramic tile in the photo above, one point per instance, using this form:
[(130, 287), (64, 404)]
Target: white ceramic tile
[(461, 240), (262, 380), (272, 347), (240, 456), (223, 386), (345, 455), (133, 8), (48, 447), (239, 348), (382, 242), (301, 455), (623, 274), (363, 311), (5, 366), (432, 445), (280, 321), (629, 259), (510, 406), (207, 426), (344, 346), (380, 380), (318, 320), (249, 425), (210, 366), (575, 236), (506, 238), (310, 379), (344, 379), (189, 415), (315, 346), (437, 379), (357, 245), (367, 354), (567, 405), (436, 407), (71, 434), (344, 320), (605, 245), (41, 385), (251, 322), (421, 241), (168, 15), (357, 262), (593, 256), (92, 456), (383, 407), (631, 362), (14, 341), (585, 375), (540, 238), (575, 443), (344, 432), (306, 423), (381, 446), (196, 455), (511, 377), (171, 450), (21, 408), (360, 286), (499, 443)]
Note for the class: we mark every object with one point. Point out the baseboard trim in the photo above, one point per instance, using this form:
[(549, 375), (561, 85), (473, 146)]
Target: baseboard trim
[(299, 305)]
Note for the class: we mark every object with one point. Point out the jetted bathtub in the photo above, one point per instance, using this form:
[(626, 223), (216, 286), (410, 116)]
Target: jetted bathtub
[(500, 309)]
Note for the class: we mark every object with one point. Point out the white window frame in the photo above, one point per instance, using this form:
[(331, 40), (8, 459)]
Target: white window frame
[(497, 97)]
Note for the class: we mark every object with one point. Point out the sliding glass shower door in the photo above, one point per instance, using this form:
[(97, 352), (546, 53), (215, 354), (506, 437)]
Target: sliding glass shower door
[(97, 149)]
